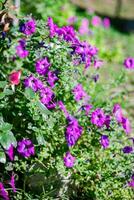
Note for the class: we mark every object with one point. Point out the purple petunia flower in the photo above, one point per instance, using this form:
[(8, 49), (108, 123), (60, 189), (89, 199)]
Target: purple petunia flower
[(104, 141), (129, 63), (83, 30), (98, 117), (33, 83), (29, 27), (107, 121), (12, 183), (46, 95), (117, 111), (21, 51), (42, 66), (126, 125), (73, 131), (26, 148), (79, 92), (71, 20), (52, 78), (87, 108), (10, 152), (69, 160), (52, 27), (106, 22), (96, 21), (127, 149), (131, 183), (3, 192)]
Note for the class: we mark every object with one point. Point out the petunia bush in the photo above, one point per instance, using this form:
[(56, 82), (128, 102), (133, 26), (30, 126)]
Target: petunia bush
[(61, 136)]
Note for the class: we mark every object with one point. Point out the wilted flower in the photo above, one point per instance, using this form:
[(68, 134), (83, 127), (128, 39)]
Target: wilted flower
[(106, 22), (98, 117), (29, 27), (63, 108), (79, 92), (26, 148), (10, 152), (127, 149), (129, 63), (42, 66), (104, 141), (98, 63), (12, 183), (117, 111), (69, 160), (14, 77), (3, 192)]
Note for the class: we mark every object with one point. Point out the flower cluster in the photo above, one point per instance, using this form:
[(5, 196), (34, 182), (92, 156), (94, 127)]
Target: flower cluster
[(29, 27)]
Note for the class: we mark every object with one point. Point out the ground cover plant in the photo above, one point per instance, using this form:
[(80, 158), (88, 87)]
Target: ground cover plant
[(62, 134)]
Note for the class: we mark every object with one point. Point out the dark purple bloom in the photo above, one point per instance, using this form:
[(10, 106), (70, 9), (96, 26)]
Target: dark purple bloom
[(29, 27), (3, 192), (126, 125), (127, 149), (12, 183), (79, 92), (69, 160), (107, 121), (52, 78), (117, 111), (67, 33), (95, 77), (42, 66), (10, 152), (26, 148), (104, 141), (73, 132), (129, 63), (46, 95), (33, 83), (98, 117)]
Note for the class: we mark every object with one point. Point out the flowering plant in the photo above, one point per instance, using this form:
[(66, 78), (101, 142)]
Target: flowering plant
[(59, 136)]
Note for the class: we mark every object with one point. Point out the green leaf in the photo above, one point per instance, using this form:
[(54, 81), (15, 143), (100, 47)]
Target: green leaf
[(3, 84), (29, 94), (43, 109), (2, 156), (6, 139), (5, 127), (40, 139)]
